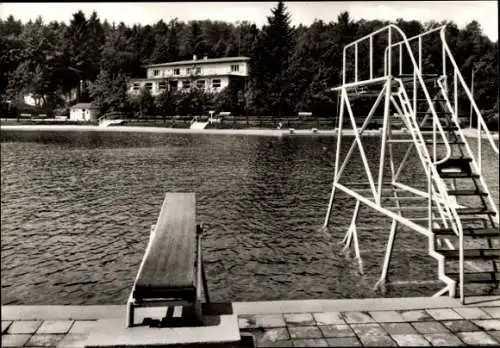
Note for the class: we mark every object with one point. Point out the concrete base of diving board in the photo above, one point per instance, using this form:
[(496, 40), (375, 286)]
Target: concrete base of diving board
[(171, 272), (112, 333)]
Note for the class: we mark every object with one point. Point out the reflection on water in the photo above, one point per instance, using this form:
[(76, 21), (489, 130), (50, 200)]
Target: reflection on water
[(76, 211)]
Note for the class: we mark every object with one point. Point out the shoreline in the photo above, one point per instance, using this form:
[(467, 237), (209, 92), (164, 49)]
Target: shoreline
[(248, 131)]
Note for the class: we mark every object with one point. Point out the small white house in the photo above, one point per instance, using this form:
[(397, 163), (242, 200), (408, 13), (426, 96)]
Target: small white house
[(82, 112)]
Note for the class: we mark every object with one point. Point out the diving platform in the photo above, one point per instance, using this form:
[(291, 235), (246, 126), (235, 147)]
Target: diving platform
[(422, 98)]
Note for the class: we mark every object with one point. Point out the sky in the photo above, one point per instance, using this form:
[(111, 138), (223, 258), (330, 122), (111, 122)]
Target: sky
[(461, 12)]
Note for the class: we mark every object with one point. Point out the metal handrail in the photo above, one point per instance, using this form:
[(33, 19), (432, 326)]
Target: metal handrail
[(475, 167), (387, 63), (447, 54), (453, 217), (481, 124)]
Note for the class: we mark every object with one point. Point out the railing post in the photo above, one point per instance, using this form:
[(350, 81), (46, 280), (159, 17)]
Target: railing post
[(429, 190), (389, 60), (444, 59), (420, 54), (343, 66), (461, 261), (371, 57), (479, 141), (400, 59), (355, 62)]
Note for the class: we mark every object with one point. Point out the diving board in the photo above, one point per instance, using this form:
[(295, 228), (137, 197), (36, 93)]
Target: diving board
[(171, 271)]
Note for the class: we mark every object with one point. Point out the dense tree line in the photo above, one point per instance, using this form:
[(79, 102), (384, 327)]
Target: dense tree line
[(291, 67)]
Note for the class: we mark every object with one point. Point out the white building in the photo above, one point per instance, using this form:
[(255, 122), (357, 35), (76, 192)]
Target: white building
[(82, 112), (211, 75)]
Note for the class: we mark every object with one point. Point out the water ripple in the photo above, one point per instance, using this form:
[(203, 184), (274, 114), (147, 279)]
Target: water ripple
[(77, 209)]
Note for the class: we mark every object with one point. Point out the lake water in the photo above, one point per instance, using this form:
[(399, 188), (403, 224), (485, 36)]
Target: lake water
[(77, 209)]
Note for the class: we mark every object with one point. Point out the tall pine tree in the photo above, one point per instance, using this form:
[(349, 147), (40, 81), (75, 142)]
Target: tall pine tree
[(270, 62)]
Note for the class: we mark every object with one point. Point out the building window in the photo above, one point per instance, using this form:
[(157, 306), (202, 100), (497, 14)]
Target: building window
[(200, 84), (198, 70), (177, 71), (162, 85), (83, 110), (136, 86), (188, 71), (156, 72), (216, 83), (173, 85), (235, 67), (149, 85), (186, 84)]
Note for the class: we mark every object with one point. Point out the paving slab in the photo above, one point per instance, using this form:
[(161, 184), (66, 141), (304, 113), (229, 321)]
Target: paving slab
[(287, 343), (327, 318), (494, 312), (82, 326), (301, 319), (387, 316), (44, 340), (112, 332), (312, 342), (378, 341), (411, 340), (460, 326), (15, 340), (472, 313), (488, 324), (399, 328), (477, 338), (357, 317), (48, 312), (24, 326), (304, 332), (268, 320), (5, 325), (426, 327), (54, 327), (372, 334), (73, 341), (444, 314), (416, 315), (443, 339), (336, 330), (343, 342), (263, 339)]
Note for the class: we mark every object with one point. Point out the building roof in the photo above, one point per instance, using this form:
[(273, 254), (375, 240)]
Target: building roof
[(199, 61), (84, 106)]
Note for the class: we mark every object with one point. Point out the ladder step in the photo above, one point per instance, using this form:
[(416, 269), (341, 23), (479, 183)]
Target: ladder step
[(467, 193), (457, 175), (475, 211), (442, 142), (478, 277), (469, 231), (472, 254), (437, 112), (427, 128), (438, 99), (461, 163)]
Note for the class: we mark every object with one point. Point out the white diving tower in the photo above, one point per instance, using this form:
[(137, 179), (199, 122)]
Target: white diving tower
[(423, 100)]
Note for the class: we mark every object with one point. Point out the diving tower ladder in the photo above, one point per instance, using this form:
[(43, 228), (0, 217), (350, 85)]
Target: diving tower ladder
[(461, 217)]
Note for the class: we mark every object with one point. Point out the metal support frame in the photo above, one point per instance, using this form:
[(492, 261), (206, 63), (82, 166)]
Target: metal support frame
[(352, 234), (437, 197)]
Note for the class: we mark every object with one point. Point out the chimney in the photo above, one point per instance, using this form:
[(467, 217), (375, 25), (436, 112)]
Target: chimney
[(205, 57), (194, 56)]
